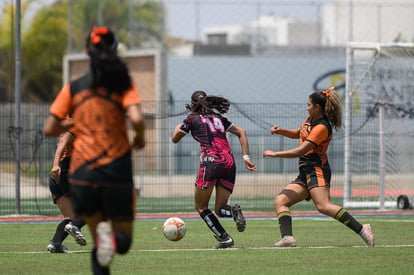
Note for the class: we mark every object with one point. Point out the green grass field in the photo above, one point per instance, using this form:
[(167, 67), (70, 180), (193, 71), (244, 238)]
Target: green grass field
[(324, 247)]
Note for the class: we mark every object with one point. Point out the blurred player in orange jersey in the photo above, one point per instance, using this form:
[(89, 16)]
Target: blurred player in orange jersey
[(101, 178), (313, 181), (60, 190)]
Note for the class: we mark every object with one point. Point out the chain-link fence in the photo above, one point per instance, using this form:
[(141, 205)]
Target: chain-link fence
[(266, 57)]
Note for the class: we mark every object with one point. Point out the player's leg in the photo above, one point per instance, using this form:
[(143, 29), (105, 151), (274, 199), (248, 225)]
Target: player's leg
[(102, 237), (321, 198), (55, 244), (76, 222), (202, 198), (118, 205), (73, 228), (290, 195), (224, 188)]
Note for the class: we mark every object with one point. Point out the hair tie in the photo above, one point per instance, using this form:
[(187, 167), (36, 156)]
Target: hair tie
[(96, 34), (326, 93)]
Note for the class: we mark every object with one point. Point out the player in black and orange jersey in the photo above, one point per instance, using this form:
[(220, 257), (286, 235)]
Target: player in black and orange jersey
[(313, 181), (100, 169), (59, 188), (217, 167)]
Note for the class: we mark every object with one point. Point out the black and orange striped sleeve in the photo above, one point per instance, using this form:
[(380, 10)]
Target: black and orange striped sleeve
[(131, 97), (318, 134), (62, 105)]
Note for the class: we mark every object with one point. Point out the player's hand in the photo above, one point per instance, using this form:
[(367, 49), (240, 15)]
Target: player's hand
[(55, 172), (269, 153), (250, 165), (138, 143), (275, 130)]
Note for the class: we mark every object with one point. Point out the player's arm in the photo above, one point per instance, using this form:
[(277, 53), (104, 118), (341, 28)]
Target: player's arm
[(64, 141), (57, 123), (305, 147), (290, 133), (55, 126), (178, 134), (137, 121), (241, 134)]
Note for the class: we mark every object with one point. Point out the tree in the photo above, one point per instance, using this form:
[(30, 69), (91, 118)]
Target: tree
[(7, 46), (44, 38)]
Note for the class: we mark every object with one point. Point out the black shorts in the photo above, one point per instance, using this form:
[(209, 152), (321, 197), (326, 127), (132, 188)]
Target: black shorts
[(313, 176), (212, 173), (60, 187), (107, 189), (116, 202)]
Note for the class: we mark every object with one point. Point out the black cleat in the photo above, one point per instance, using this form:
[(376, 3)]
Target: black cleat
[(56, 248), (225, 241), (74, 231), (238, 217)]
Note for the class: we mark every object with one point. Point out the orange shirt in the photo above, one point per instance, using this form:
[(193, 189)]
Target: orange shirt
[(99, 119)]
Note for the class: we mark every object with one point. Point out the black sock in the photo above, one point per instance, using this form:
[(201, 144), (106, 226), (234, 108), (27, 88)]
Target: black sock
[(96, 268), (285, 223), (60, 233), (78, 222), (344, 217), (212, 222), (225, 211), (123, 243)]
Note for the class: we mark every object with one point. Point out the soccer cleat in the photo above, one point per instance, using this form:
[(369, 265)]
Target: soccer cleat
[(366, 235), (225, 241), (56, 248), (286, 241), (106, 245), (74, 231), (238, 217)]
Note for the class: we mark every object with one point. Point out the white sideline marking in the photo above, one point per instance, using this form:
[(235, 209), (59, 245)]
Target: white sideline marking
[(227, 249)]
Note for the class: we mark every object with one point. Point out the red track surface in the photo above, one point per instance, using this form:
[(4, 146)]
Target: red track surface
[(161, 216)]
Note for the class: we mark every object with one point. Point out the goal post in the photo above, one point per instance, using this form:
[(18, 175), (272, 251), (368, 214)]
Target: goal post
[(379, 124)]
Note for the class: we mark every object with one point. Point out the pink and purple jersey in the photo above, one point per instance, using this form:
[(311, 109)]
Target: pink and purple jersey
[(216, 159), (210, 131)]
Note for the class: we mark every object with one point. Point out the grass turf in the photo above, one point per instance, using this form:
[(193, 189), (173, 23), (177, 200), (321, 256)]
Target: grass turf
[(324, 247)]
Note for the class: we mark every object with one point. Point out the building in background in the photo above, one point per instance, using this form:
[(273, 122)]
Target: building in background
[(367, 21), (336, 23)]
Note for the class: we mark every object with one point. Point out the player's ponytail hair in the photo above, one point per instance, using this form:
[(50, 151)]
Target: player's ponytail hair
[(330, 103), (108, 70), (203, 104)]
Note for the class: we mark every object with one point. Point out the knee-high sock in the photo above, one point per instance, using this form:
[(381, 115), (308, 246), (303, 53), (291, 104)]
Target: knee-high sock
[(285, 223), (344, 217), (96, 268), (60, 233), (212, 222), (225, 211), (78, 222), (123, 243)]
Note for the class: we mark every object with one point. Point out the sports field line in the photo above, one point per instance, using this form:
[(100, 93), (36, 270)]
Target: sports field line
[(227, 249)]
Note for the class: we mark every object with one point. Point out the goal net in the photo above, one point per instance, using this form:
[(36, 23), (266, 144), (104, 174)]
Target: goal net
[(379, 125)]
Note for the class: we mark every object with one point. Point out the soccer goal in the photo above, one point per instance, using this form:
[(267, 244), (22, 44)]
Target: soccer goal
[(379, 125)]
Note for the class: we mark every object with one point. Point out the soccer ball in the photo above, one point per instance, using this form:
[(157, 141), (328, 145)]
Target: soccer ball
[(174, 229)]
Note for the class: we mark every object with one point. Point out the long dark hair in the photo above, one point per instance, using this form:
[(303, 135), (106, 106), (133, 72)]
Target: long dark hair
[(108, 70), (330, 103), (204, 104)]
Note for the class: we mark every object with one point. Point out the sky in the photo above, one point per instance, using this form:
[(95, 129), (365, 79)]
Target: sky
[(187, 18)]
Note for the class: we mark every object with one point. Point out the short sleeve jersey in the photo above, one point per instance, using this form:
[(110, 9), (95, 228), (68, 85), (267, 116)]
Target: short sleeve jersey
[(99, 118), (318, 132), (210, 131)]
